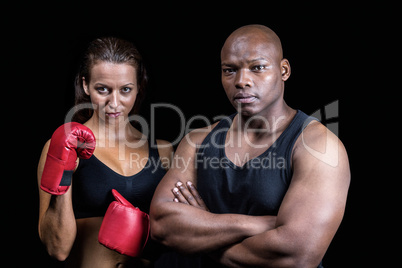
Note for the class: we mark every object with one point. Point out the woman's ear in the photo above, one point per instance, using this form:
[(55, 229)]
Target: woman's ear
[(285, 69), (85, 86)]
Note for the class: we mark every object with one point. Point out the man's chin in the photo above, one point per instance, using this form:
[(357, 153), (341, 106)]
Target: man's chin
[(246, 110)]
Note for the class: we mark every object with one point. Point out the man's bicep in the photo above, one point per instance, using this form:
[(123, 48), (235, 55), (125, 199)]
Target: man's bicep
[(182, 169), (310, 212), (314, 204)]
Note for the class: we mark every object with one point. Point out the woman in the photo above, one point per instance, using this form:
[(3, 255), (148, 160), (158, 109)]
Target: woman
[(112, 78)]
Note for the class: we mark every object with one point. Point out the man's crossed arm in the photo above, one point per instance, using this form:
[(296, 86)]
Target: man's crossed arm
[(299, 235)]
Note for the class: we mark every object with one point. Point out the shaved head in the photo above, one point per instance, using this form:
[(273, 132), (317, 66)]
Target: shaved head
[(253, 66), (258, 34)]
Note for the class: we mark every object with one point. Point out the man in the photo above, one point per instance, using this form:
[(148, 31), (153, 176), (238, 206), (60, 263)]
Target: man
[(274, 181)]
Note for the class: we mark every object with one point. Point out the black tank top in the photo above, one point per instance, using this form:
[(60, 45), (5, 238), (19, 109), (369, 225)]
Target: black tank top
[(258, 187), (93, 182)]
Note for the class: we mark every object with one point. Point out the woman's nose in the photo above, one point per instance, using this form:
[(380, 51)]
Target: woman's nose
[(114, 100)]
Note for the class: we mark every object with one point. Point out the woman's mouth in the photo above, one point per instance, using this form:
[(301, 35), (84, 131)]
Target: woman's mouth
[(113, 115)]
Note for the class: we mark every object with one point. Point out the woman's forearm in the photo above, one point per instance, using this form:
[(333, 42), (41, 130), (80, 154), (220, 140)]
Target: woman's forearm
[(57, 227)]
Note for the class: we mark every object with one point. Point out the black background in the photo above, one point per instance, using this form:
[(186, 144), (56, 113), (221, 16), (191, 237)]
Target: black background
[(328, 47)]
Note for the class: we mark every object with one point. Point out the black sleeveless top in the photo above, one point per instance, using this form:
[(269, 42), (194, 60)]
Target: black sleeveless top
[(257, 188), (93, 182)]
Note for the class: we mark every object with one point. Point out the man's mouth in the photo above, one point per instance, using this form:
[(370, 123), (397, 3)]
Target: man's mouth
[(244, 98)]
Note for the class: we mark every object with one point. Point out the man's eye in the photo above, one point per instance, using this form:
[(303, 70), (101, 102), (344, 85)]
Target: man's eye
[(228, 70), (258, 68)]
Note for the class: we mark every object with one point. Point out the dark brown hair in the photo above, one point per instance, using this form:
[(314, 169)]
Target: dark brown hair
[(114, 50)]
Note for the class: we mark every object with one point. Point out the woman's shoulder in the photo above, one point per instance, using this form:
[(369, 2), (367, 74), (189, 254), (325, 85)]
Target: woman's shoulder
[(42, 160), (163, 143), (165, 150)]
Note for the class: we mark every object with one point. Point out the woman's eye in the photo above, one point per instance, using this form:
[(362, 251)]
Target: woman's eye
[(126, 89), (102, 90)]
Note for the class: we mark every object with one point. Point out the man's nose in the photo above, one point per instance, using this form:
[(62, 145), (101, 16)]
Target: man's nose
[(243, 79)]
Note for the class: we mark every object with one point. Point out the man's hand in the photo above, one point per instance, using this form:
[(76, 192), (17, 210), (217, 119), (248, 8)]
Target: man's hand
[(182, 221), (188, 195)]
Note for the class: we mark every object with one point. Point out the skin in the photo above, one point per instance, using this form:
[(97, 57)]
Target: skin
[(253, 76), (113, 90)]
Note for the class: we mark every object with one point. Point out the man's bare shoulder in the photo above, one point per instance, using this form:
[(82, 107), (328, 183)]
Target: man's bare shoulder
[(197, 136), (318, 143)]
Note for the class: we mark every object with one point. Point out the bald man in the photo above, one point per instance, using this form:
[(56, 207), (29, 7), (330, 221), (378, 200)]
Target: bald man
[(272, 182)]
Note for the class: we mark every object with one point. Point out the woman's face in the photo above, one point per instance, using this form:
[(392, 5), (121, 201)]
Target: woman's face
[(113, 90)]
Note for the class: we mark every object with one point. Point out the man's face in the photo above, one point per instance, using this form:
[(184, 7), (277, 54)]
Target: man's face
[(252, 74)]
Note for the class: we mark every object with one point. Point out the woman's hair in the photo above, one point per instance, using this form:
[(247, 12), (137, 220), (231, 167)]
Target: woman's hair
[(114, 50)]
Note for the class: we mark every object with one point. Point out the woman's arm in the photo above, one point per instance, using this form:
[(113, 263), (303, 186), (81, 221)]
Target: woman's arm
[(57, 226), (190, 229)]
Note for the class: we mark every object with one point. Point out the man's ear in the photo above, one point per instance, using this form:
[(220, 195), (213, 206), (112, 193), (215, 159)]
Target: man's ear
[(85, 86), (285, 69)]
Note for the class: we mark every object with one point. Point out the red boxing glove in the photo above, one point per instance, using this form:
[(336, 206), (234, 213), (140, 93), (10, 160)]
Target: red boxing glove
[(68, 141), (124, 228)]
